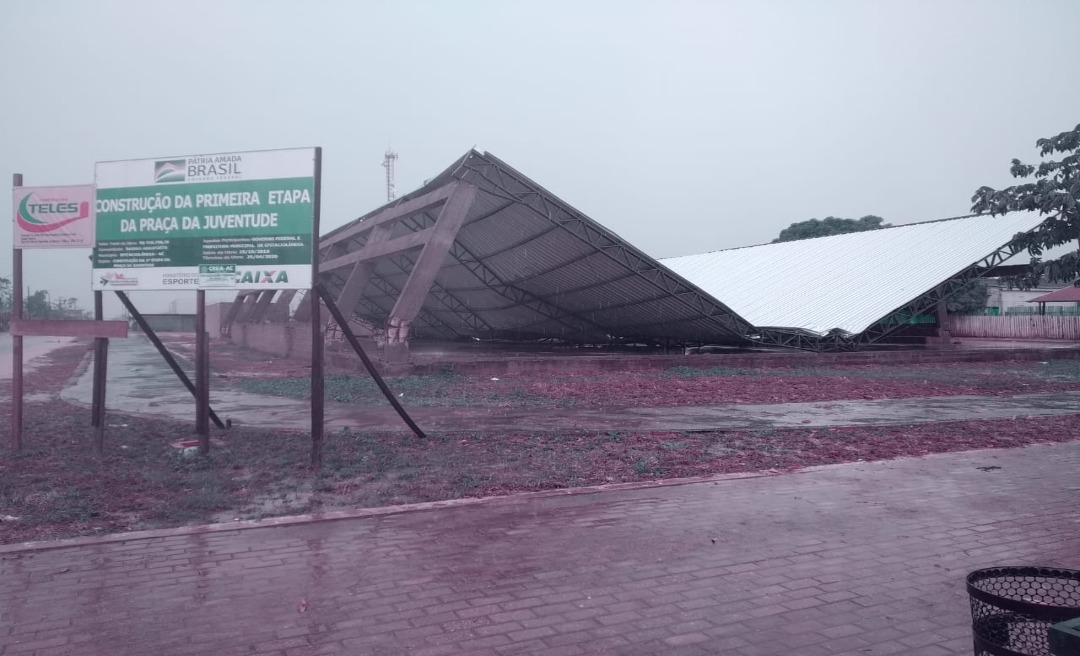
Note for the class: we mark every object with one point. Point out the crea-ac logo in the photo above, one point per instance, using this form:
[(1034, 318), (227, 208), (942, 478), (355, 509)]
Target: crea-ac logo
[(262, 277), (170, 170), (46, 215)]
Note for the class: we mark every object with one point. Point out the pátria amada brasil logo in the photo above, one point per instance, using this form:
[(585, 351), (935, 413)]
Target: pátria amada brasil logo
[(170, 170)]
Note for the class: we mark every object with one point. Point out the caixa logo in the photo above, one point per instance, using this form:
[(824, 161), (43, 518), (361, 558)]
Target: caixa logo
[(262, 277)]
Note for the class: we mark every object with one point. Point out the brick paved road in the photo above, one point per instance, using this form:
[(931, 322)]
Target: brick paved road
[(851, 559)]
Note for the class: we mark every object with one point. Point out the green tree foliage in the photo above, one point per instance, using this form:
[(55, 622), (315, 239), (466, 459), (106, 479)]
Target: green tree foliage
[(969, 298), (829, 226), (5, 294), (1054, 192), (5, 304), (36, 305)]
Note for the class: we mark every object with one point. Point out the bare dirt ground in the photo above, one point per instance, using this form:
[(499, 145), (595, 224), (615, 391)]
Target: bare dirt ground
[(57, 488)]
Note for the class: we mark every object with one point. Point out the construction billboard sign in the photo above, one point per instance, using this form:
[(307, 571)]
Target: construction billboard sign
[(222, 221)]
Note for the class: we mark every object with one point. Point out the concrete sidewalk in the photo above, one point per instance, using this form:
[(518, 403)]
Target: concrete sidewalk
[(849, 560), (140, 382)]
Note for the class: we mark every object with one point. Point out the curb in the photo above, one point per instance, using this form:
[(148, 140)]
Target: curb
[(362, 513)]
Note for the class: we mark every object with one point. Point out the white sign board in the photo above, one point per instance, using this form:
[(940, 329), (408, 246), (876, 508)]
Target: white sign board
[(54, 217)]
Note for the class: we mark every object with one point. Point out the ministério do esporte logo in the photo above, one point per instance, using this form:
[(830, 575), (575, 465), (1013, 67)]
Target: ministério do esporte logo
[(116, 279), (209, 168)]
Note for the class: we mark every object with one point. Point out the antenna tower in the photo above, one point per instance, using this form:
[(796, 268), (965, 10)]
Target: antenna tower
[(388, 163)]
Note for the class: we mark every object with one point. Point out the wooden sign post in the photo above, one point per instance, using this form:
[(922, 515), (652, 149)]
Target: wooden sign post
[(54, 217)]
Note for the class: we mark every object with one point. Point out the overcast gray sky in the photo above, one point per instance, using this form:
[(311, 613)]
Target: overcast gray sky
[(682, 126)]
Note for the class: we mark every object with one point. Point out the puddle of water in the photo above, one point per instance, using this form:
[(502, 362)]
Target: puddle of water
[(279, 503)]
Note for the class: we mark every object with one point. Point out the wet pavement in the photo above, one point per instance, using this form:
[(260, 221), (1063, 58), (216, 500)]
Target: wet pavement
[(140, 382), (846, 560), (33, 348)]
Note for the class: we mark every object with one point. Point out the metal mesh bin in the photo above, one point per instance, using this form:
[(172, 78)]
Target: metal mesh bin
[(1013, 608)]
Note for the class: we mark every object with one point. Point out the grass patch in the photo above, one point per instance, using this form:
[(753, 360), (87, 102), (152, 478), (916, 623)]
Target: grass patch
[(57, 489), (686, 385), (1059, 370), (674, 445), (65, 506), (415, 390), (683, 371), (440, 390)]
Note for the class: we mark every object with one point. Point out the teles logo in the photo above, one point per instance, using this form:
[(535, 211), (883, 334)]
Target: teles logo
[(46, 215), (170, 170)]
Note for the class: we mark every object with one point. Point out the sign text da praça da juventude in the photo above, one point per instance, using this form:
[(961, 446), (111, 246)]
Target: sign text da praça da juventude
[(228, 221)]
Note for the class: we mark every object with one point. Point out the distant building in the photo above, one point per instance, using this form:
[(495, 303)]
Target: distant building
[(1003, 300), (168, 323)]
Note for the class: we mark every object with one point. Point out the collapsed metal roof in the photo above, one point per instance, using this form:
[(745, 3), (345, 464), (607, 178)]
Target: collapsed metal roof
[(844, 284), (483, 251), (523, 265)]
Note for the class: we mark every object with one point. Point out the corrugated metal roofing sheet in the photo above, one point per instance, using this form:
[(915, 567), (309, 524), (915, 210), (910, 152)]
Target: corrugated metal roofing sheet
[(526, 265), (846, 282)]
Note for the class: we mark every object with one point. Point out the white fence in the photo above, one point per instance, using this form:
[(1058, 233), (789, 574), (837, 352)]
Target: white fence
[(1032, 326)]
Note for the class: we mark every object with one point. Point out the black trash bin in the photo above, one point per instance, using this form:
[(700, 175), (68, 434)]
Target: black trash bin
[(1013, 608)]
